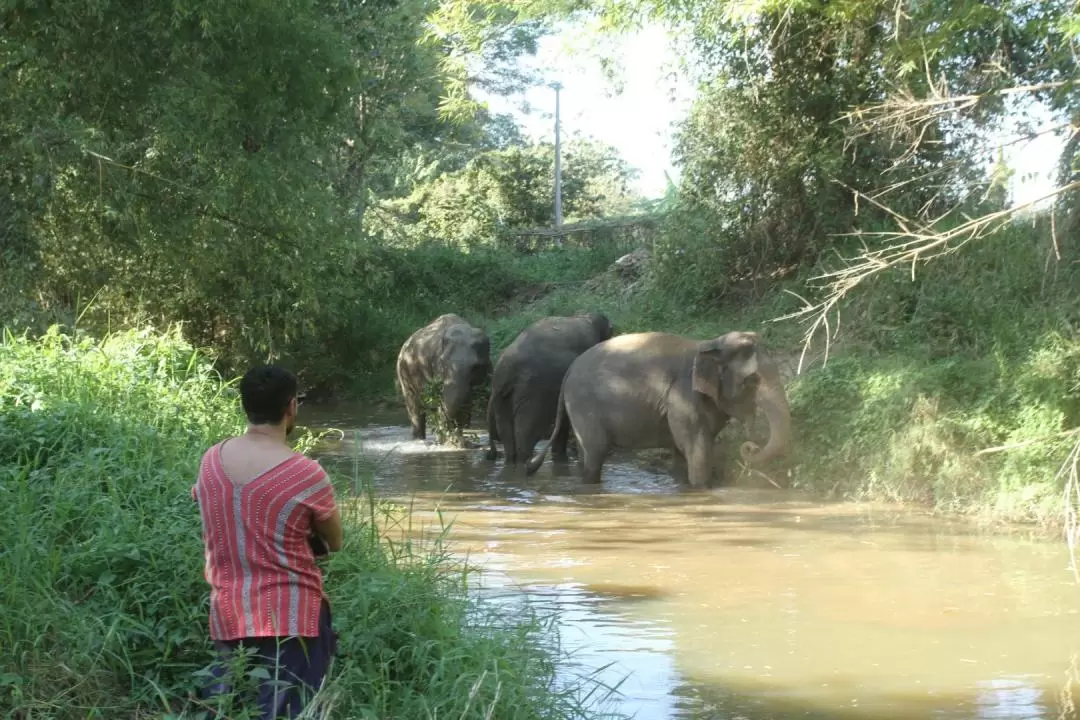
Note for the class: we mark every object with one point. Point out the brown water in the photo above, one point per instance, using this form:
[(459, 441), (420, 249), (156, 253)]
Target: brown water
[(749, 604)]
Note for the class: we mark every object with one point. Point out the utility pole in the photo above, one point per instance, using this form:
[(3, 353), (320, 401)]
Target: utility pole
[(558, 160)]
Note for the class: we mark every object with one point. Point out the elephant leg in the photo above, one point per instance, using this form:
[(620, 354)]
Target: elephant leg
[(527, 440), (417, 418), (595, 447), (700, 463), (534, 419), (719, 465), (697, 448), (505, 422), (593, 461), (560, 442), (679, 468)]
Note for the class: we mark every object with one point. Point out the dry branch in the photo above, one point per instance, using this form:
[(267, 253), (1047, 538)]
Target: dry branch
[(1025, 443), (903, 108), (923, 244), (1070, 473)]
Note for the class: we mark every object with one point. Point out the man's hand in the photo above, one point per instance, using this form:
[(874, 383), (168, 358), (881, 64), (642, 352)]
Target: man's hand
[(318, 545)]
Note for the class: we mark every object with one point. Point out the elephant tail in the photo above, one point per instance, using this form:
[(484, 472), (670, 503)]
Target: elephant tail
[(493, 431), (560, 418)]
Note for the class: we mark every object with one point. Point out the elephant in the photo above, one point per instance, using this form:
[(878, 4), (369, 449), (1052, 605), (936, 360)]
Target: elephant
[(660, 390), (448, 349), (526, 380)]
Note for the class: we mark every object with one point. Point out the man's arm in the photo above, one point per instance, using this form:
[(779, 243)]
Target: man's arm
[(327, 517), (329, 529)]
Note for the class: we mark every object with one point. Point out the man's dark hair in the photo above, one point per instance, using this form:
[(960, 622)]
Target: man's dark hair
[(265, 392)]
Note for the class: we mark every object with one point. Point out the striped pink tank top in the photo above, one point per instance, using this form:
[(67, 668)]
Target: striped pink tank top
[(261, 570)]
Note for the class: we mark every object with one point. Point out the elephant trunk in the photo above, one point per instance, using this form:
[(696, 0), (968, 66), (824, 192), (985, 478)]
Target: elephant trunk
[(772, 399), (455, 398)]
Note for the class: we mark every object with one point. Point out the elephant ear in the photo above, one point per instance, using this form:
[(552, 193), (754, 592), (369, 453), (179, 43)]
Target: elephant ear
[(723, 365), (707, 365)]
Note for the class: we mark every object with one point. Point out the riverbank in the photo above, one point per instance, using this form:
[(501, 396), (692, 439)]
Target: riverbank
[(105, 604), (955, 391)]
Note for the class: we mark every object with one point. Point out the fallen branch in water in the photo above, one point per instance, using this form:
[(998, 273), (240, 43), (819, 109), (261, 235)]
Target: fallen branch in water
[(758, 472)]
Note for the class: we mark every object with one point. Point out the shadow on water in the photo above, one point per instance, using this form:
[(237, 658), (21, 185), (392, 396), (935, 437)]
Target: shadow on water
[(741, 602), (1003, 697)]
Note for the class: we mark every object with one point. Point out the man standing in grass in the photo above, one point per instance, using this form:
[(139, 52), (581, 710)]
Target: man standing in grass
[(264, 507)]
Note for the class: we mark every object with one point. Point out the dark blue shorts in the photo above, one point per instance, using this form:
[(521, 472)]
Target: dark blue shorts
[(296, 665)]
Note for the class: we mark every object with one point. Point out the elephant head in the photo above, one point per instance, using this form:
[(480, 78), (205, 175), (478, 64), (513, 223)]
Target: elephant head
[(601, 325), (465, 360), (736, 372)]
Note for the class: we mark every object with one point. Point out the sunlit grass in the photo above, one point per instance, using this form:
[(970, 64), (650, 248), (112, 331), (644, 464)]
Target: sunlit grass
[(105, 607)]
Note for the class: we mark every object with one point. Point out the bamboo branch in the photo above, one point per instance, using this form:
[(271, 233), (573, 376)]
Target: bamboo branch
[(1026, 443), (207, 210), (923, 244), (1070, 472)]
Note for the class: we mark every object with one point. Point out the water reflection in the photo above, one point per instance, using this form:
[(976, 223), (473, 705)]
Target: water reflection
[(604, 642), (749, 603)]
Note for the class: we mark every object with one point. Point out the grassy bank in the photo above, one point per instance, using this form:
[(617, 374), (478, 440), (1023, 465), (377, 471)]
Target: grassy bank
[(104, 601), (980, 352), (414, 286)]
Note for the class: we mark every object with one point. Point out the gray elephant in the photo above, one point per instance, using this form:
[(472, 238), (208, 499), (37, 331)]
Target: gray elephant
[(526, 380), (448, 349), (658, 390)]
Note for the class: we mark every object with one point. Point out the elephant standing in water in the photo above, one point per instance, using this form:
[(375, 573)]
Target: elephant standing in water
[(658, 390), (447, 349), (525, 382)]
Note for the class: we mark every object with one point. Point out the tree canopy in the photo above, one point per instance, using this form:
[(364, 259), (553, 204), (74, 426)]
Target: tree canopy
[(213, 162), (244, 167)]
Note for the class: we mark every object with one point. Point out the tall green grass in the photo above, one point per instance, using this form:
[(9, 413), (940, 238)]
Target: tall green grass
[(104, 603)]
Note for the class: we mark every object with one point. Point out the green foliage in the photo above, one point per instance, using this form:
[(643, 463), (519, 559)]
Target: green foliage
[(504, 189), (767, 169), (801, 105), (101, 444), (979, 352), (170, 163), (440, 426), (105, 603), (445, 431), (156, 180), (906, 429)]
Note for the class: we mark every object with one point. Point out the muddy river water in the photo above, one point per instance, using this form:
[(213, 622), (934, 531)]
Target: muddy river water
[(747, 604)]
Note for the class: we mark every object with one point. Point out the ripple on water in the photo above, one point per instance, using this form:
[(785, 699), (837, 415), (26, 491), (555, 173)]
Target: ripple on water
[(749, 603)]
